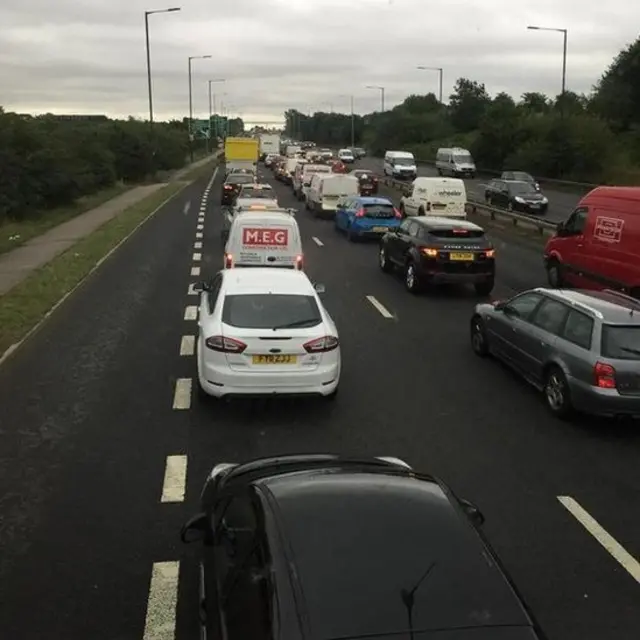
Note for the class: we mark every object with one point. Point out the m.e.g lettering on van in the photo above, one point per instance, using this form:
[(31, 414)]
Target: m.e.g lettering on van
[(265, 237)]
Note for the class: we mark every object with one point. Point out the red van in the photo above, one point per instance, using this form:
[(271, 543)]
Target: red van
[(598, 246)]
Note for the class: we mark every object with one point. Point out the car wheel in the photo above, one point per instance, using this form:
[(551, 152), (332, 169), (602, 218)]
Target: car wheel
[(479, 342), (421, 212), (383, 260), (554, 274), (484, 288), (411, 278), (557, 394)]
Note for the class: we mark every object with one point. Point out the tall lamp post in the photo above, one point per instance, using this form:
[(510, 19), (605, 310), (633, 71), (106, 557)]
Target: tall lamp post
[(191, 104), (439, 70), (381, 90), (146, 34), (211, 112), (564, 59)]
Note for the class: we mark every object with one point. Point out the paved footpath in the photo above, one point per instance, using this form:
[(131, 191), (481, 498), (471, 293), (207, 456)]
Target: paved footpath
[(17, 265)]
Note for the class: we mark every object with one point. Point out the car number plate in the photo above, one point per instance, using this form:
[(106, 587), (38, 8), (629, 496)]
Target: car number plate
[(280, 358), (380, 229), (461, 257)]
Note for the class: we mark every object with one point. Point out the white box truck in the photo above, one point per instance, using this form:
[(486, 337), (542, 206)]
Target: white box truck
[(269, 143)]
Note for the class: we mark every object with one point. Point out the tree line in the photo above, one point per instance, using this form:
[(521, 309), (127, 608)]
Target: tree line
[(586, 138), (50, 161)]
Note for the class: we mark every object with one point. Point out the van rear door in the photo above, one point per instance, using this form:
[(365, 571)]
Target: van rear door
[(447, 200), (267, 243)]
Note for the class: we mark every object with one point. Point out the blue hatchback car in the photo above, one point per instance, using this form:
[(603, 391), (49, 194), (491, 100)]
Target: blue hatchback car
[(366, 217)]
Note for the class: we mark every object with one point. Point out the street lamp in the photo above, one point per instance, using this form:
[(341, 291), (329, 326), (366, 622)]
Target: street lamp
[(564, 58), (146, 33), (212, 109), (191, 103), (439, 70), (381, 90)]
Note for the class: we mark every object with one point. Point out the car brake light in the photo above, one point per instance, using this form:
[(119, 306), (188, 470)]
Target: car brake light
[(429, 252), (225, 345), (228, 260), (228, 186), (321, 345), (397, 213), (460, 232), (360, 213), (605, 376), (490, 253), (299, 261)]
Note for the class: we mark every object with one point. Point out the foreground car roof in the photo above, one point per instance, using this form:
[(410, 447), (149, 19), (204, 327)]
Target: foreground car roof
[(359, 541), (267, 280)]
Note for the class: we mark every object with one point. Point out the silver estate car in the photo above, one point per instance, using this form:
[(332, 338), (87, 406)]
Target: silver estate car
[(580, 348)]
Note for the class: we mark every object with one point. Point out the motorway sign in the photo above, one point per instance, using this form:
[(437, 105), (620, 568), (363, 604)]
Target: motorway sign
[(201, 129)]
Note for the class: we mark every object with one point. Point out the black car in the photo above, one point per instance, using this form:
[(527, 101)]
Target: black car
[(323, 546), (520, 176), (231, 186), (368, 181), (433, 250), (515, 195)]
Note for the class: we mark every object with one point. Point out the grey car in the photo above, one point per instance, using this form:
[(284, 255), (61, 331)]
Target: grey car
[(580, 348)]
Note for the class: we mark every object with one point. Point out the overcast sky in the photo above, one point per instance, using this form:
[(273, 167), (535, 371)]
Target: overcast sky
[(83, 56)]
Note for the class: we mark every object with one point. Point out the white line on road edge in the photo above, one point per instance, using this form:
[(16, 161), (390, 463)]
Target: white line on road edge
[(195, 271), (198, 234), (175, 479), (379, 307), (191, 312), (317, 241), (187, 206), (160, 623), (199, 227), (197, 257), (617, 551), (187, 345), (182, 395), (197, 245), (191, 291)]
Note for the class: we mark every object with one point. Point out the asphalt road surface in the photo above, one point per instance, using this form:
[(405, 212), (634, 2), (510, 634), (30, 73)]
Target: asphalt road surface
[(561, 203), (99, 428)]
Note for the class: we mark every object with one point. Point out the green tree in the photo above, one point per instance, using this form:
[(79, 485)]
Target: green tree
[(468, 104)]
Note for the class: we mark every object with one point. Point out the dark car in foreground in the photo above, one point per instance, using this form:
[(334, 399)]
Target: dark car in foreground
[(515, 195), (327, 547), (433, 250), (580, 348), (231, 186)]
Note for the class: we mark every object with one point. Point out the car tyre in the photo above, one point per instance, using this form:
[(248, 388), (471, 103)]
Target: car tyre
[(484, 288), (383, 260), (421, 212), (411, 281), (554, 274), (557, 394), (479, 342)]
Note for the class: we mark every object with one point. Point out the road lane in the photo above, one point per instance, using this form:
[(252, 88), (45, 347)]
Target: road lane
[(561, 203), (88, 460)]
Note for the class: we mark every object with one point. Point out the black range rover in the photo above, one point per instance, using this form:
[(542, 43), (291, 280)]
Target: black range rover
[(433, 250)]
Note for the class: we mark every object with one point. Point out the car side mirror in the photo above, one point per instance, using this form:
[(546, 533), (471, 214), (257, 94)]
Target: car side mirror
[(499, 306), (475, 515), (201, 286), (195, 529), (320, 288)]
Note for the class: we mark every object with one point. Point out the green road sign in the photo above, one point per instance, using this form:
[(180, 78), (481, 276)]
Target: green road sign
[(200, 129)]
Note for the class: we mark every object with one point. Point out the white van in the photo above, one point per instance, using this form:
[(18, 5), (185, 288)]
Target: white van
[(290, 169), (455, 162), (303, 175), (264, 239), (326, 189), (400, 165), (441, 197)]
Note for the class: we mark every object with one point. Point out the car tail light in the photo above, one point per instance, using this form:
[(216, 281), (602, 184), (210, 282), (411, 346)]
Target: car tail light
[(397, 213), (228, 260), (490, 253), (429, 252), (460, 232), (225, 345), (299, 261), (360, 213), (374, 180), (605, 376), (321, 345), (228, 187)]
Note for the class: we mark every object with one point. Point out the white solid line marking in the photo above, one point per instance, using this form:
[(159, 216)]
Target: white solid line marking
[(317, 241), (617, 551), (199, 227), (197, 245), (195, 271), (187, 345), (191, 291), (160, 623), (187, 206), (198, 234), (191, 312), (197, 257), (379, 307), (182, 395), (175, 479)]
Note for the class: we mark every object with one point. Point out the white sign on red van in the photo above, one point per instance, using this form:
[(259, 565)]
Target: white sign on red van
[(265, 237), (608, 229)]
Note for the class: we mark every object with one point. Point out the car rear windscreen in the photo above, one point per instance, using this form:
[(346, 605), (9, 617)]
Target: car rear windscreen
[(250, 192), (458, 234), (269, 310), (240, 178), (379, 211), (621, 342)]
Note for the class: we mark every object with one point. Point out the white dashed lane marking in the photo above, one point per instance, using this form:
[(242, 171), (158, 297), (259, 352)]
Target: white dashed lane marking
[(160, 622), (175, 479), (197, 245), (191, 291), (198, 234), (191, 312), (197, 257), (182, 394), (617, 551), (195, 271), (317, 241), (187, 345), (379, 307), (199, 227)]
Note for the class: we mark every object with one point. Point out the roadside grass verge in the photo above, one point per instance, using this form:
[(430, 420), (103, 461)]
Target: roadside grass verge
[(202, 171), (24, 230), (28, 303)]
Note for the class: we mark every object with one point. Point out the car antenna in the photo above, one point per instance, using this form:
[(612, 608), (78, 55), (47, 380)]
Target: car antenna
[(408, 597)]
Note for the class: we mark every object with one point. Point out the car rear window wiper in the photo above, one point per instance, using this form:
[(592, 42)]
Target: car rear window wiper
[(297, 323)]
